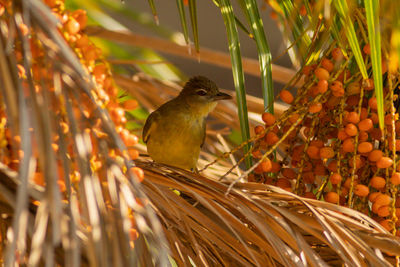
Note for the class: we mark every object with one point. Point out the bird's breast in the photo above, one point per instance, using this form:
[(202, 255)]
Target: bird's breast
[(177, 141)]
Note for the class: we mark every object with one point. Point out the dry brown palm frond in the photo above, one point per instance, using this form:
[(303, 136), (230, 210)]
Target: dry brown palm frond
[(87, 223), (259, 225)]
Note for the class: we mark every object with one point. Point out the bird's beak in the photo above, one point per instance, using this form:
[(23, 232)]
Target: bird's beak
[(221, 96)]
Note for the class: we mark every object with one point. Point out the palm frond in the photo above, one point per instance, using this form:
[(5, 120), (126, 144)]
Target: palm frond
[(153, 10), (237, 71), (264, 53), (182, 16), (259, 225), (372, 14), (193, 20), (78, 224), (347, 24)]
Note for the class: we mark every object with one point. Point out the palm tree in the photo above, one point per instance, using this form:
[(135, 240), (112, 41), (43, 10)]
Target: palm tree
[(70, 193)]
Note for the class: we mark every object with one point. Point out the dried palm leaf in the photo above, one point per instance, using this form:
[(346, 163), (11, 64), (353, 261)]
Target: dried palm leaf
[(88, 223), (259, 225)]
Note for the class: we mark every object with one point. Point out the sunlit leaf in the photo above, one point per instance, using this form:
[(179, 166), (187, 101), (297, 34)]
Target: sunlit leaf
[(182, 16), (238, 22), (347, 23), (193, 19), (153, 10), (295, 26), (264, 53), (395, 41), (238, 76), (374, 35)]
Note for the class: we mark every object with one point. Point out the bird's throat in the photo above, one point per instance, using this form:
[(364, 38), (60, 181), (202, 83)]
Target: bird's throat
[(202, 109)]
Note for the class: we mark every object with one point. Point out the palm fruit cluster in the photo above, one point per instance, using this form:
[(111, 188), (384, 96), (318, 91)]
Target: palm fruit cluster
[(84, 117), (329, 144)]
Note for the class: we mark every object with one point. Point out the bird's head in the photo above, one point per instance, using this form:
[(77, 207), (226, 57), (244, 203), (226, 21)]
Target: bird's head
[(200, 89), (202, 95)]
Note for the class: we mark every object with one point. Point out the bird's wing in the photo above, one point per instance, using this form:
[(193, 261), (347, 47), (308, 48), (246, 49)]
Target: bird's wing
[(204, 134), (150, 125)]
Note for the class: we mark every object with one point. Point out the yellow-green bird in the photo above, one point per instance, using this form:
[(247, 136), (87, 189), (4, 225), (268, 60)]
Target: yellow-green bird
[(175, 132)]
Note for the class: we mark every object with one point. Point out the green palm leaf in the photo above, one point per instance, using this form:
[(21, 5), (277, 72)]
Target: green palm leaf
[(182, 16), (264, 53), (374, 35), (237, 70)]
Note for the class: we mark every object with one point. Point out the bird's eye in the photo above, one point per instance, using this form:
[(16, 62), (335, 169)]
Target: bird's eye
[(201, 92)]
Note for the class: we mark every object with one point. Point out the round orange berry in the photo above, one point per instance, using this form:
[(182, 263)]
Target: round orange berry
[(73, 26), (384, 162), (307, 70), (327, 64), (374, 117), (382, 200), (353, 88), (373, 103), (308, 177), (322, 86), (361, 190), (286, 96), (313, 152), (342, 135), (336, 86), (315, 108), (384, 211), (368, 84), (258, 129), (365, 147), (138, 173), (367, 49), (395, 179), (266, 165), (378, 182), (322, 74), (337, 54), (133, 153), (326, 152), (335, 178), (373, 196), (365, 125), (289, 173), (352, 117), (351, 129), (332, 197), (130, 104), (332, 166), (362, 136), (276, 167), (294, 117), (375, 155), (271, 138), (268, 118), (348, 145)]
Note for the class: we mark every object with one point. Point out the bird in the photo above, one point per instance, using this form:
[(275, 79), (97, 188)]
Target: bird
[(175, 132)]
